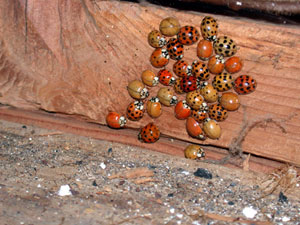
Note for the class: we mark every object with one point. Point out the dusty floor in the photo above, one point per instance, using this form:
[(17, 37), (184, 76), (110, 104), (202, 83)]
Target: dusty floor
[(112, 183)]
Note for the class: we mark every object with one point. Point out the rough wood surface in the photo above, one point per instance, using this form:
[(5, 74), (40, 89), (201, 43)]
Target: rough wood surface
[(77, 58)]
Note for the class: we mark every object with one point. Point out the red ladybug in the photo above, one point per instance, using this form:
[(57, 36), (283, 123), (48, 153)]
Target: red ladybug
[(115, 120), (149, 133), (244, 84), (175, 49), (189, 83), (182, 110), (193, 128), (135, 110), (166, 77), (159, 57), (188, 35), (182, 68)]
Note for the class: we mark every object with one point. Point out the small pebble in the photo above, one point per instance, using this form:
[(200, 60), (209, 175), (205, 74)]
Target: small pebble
[(102, 165), (170, 195), (172, 210), (64, 190), (249, 212), (282, 198), (203, 173), (94, 183)]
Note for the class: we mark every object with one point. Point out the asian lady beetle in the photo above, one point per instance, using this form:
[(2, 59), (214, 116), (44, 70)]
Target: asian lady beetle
[(199, 115), (209, 28), (149, 78), (149, 134), (188, 35), (156, 39), (166, 96), (216, 64), (189, 83), (217, 112), (200, 70), (115, 120), (194, 152), (182, 110), (225, 46), (154, 107), (244, 84), (182, 69), (212, 129), (223, 81), (234, 64), (209, 93), (204, 49), (169, 26), (159, 57), (194, 99), (175, 49), (135, 110), (137, 90), (194, 129), (230, 101), (177, 87), (166, 77)]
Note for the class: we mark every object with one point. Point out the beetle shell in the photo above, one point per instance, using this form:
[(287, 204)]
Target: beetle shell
[(135, 110), (209, 28), (225, 46), (149, 78), (193, 128), (169, 26), (212, 129), (175, 49), (223, 81), (154, 107), (216, 64), (159, 57), (115, 120), (244, 84), (234, 64), (166, 77), (182, 110), (182, 68), (149, 133), (230, 101), (177, 87), (204, 49), (189, 83), (156, 39), (188, 35), (199, 115), (194, 99), (217, 112), (166, 96), (200, 70), (209, 93), (137, 90), (194, 152)]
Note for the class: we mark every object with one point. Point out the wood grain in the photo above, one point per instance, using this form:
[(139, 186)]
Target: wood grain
[(77, 58)]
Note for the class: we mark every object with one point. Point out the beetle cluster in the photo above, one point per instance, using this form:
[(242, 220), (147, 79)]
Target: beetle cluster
[(208, 99)]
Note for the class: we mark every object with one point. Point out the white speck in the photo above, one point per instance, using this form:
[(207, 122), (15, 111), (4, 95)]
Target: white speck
[(102, 165), (285, 219), (196, 223), (249, 212), (30, 139), (238, 3), (39, 218), (297, 185), (273, 4), (178, 222), (22, 223), (64, 190), (123, 165), (27, 191), (112, 26), (107, 36), (39, 185), (179, 215), (172, 210), (129, 202), (77, 179), (185, 172), (172, 140)]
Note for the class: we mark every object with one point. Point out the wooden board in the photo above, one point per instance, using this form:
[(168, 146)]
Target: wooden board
[(77, 58)]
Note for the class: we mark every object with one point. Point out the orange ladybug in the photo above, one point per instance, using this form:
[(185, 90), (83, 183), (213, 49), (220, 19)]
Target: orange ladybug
[(166, 96), (188, 35), (199, 115), (149, 78), (182, 69), (166, 77), (169, 26), (182, 110), (194, 152), (135, 110), (154, 107), (212, 129), (209, 93), (230, 101), (177, 86), (137, 90), (115, 120), (204, 49), (216, 64), (234, 64), (217, 112), (159, 57), (149, 133), (193, 128), (200, 70)]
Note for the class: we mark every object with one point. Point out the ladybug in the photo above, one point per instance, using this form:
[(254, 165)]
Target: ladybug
[(194, 99), (189, 83), (223, 81), (225, 46), (188, 35), (209, 28), (244, 84), (166, 96), (169, 26), (149, 78), (166, 77), (154, 107), (209, 93), (216, 64), (156, 39), (182, 110), (175, 49), (135, 110), (137, 90), (217, 112), (182, 68), (200, 70), (194, 152), (230, 101), (204, 49), (115, 120), (149, 133), (177, 87), (194, 129), (159, 57), (234, 64), (212, 129), (199, 115)]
